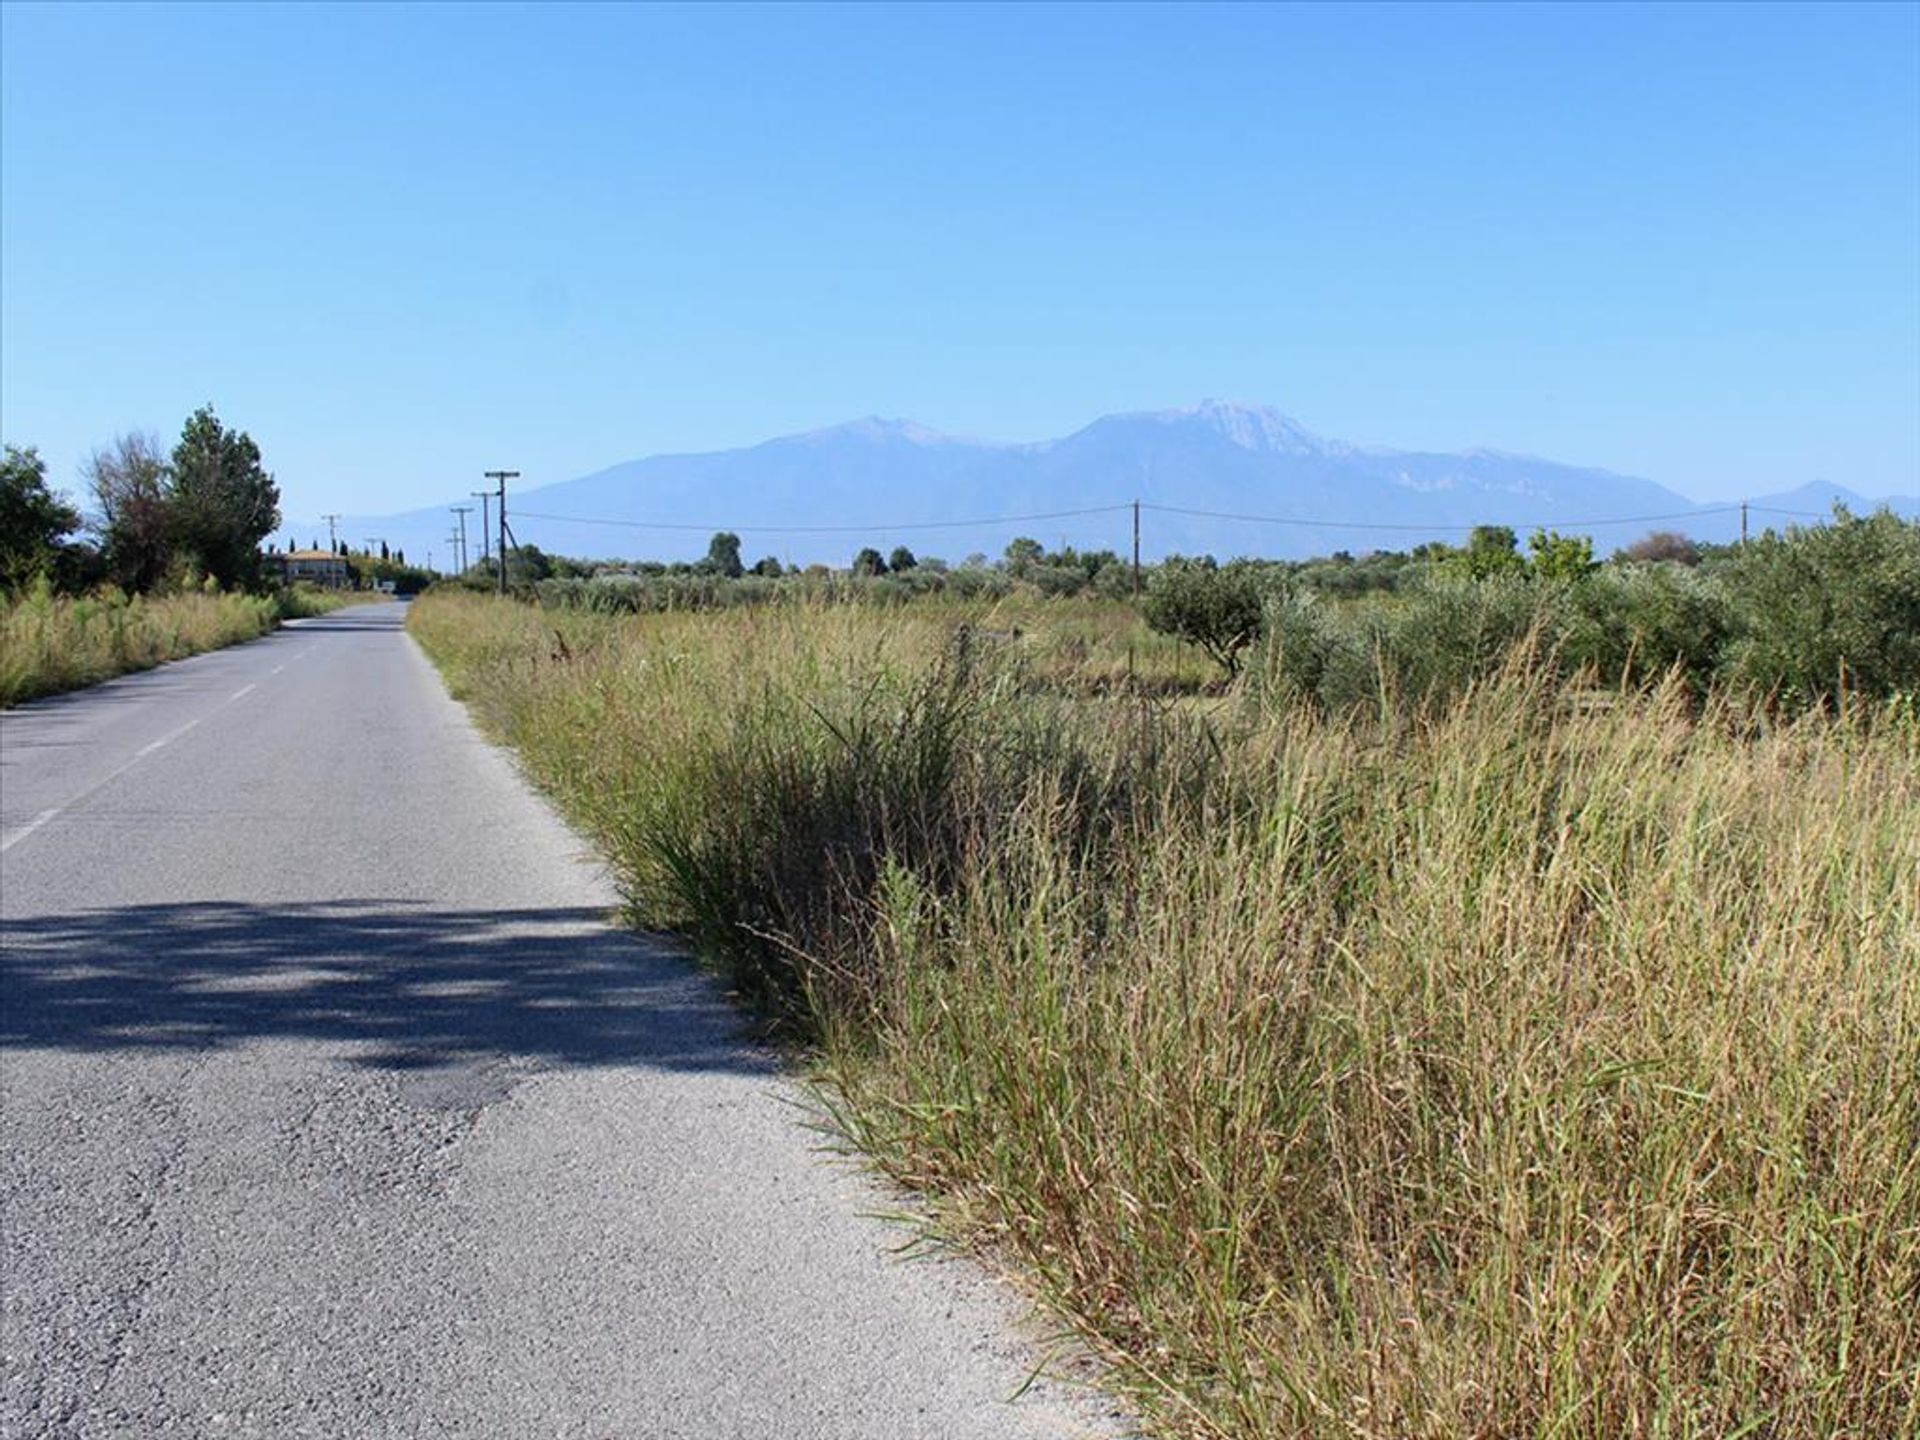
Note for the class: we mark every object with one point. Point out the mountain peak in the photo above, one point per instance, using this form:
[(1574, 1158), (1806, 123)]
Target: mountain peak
[(876, 429), (1251, 427)]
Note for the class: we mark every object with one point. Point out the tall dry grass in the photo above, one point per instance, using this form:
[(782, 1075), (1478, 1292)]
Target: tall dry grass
[(1546, 1065), (52, 643)]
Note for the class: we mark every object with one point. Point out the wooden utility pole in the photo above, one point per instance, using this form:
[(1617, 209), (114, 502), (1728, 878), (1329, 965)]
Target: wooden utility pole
[(500, 477), (462, 511), (1743, 524), (485, 497), (333, 536), (1136, 549)]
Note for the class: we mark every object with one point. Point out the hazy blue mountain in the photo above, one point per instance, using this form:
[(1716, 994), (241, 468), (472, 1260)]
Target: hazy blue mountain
[(891, 482)]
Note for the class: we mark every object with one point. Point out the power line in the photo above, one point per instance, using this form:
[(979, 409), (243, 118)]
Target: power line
[(1776, 510), (1135, 507), (1325, 524), (829, 529)]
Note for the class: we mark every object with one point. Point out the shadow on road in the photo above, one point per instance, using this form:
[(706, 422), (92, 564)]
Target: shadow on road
[(416, 988)]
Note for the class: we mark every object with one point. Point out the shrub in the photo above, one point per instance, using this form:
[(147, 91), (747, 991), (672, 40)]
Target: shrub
[(1448, 632), (974, 582), (1826, 609), (1636, 622), (1662, 545)]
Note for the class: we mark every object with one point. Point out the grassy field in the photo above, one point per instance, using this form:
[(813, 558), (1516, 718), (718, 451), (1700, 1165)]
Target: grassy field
[(51, 643), (1541, 1065)]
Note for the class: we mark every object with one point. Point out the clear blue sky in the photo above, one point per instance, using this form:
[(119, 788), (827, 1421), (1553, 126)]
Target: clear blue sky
[(403, 245)]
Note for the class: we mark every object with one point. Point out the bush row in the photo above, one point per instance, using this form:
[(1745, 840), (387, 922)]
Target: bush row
[(1806, 618)]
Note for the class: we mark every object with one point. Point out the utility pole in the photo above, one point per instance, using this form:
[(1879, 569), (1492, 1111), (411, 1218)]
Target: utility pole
[(462, 511), (485, 497), (1743, 524), (333, 538), (500, 478), (1136, 549)]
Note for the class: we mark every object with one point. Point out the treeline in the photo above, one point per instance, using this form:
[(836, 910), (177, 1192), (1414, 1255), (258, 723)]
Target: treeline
[(721, 579), (163, 521), (1805, 615)]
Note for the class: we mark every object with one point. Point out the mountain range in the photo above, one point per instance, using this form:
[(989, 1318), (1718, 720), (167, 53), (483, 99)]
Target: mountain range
[(1215, 478)]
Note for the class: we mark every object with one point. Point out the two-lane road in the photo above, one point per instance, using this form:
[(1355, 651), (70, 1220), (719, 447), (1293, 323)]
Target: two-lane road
[(332, 1106)]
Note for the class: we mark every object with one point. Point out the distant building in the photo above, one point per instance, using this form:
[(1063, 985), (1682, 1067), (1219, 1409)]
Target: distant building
[(314, 567)]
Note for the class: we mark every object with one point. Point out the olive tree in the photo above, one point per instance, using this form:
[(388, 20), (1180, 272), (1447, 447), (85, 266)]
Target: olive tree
[(1219, 610)]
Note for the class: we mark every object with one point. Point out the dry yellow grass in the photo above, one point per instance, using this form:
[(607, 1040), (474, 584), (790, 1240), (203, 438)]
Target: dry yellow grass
[(1532, 1068), (50, 643)]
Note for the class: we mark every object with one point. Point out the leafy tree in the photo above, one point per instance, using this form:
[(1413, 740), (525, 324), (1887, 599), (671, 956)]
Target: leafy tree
[(901, 559), (529, 565), (1218, 610), (384, 553), (723, 555), (869, 562), (225, 503), (1560, 559), (33, 520), (131, 485), (1491, 550), (769, 566), (1024, 553)]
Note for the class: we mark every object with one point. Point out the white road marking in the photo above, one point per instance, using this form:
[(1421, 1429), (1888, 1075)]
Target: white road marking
[(276, 669), (148, 749), (14, 837)]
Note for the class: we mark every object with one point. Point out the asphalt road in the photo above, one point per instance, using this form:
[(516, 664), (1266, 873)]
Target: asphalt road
[(332, 1106)]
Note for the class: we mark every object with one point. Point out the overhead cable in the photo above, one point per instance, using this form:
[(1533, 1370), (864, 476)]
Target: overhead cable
[(1325, 524), (829, 529), (1311, 522)]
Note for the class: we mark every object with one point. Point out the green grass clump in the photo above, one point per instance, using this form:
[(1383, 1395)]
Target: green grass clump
[(1538, 1063)]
